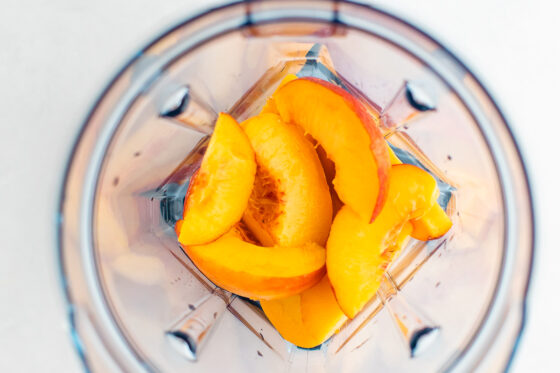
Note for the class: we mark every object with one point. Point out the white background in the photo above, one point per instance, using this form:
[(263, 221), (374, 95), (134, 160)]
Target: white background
[(57, 55)]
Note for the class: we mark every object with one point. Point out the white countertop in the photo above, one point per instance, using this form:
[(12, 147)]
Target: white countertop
[(57, 55)]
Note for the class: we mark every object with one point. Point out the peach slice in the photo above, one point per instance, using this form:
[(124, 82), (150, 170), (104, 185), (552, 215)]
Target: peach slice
[(393, 157), (270, 106), (402, 239), (219, 192), (328, 165), (235, 264), (349, 135), (290, 204), (358, 253), (306, 319), (178, 226), (434, 224)]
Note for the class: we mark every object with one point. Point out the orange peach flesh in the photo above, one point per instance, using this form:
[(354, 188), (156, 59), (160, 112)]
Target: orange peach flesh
[(290, 208), (326, 163), (356, 251), (349, 135), (219, 191), (178, 226), (313, 316), (270, 106), (393, 157), (434, 224), (306, 319), (290, 204), (258, 272)]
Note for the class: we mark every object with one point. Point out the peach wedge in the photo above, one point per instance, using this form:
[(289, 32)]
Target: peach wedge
[(244, 268), (270, 106), (434, 224), (306, 319), (349, 135), (290, 204), (358, 253), (219, 191)]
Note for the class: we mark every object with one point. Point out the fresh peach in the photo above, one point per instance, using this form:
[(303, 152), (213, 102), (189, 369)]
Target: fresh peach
[(434, 224), (306, 319), (349, 135), (290, 204), (178, 226), (236, 264), (393, 157), (219, 191), (326, 163), (358, 253), (270, 106)]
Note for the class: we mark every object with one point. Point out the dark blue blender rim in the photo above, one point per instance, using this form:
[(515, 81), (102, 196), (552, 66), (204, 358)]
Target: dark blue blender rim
[(249, 21)]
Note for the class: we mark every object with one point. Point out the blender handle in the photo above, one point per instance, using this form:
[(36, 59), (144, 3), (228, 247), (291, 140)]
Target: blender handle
[(418, 331), (191, 332)]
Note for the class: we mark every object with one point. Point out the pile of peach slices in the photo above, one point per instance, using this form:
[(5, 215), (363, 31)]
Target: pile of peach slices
[(303, 207)]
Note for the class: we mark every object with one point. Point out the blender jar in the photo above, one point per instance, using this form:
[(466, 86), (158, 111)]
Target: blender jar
[(126, 279)]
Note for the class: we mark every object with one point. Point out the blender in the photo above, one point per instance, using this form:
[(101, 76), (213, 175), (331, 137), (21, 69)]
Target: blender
[(129, 284)]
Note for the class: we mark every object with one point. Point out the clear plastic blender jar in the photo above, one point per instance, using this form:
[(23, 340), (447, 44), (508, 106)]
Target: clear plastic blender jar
[(128, 282)]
